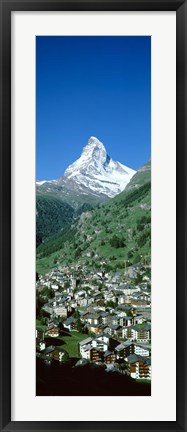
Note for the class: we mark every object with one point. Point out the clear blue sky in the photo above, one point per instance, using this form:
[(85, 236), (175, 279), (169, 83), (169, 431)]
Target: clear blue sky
[(87, 86)]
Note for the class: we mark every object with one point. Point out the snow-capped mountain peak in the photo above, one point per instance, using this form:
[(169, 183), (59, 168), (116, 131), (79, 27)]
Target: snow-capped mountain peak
[(96, 171), (95, 174), (94, 148), (93, 154)]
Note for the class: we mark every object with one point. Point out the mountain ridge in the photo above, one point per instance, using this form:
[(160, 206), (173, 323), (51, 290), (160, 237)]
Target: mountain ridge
[(93, 177)]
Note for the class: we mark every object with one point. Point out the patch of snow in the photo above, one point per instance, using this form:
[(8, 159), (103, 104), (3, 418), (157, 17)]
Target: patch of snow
[(40, 183)]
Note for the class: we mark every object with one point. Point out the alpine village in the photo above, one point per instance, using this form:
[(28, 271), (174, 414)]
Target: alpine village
[(93, 278)]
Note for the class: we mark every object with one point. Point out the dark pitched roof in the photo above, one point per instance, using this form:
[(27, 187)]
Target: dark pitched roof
[(133, 358), (113, 326), (108, 353), (125, 307), (49, 349), (142, 346), (144, 327), (85, 341), (70, 320), (123, 345)]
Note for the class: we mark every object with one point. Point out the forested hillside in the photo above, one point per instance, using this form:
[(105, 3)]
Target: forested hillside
[(52, 215)]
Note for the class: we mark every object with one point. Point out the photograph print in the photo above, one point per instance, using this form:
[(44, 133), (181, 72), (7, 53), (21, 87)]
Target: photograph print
[(93, 216)]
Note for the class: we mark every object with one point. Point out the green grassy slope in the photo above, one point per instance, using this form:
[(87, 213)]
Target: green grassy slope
[(142, 176), (72, 197), (116, 231)]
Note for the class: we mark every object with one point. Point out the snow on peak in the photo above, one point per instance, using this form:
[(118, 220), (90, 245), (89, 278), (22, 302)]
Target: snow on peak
[(40, 183), (96, 171), (94, 142), (94, 151)]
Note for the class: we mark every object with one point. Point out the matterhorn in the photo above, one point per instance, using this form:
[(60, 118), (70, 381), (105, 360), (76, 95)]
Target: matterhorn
[(95, 173)]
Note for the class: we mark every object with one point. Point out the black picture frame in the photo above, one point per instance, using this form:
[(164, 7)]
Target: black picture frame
[(6, 7)]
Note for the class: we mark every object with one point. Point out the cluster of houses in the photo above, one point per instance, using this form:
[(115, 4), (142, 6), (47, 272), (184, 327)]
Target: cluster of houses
[(113, 311), (105, 349)]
